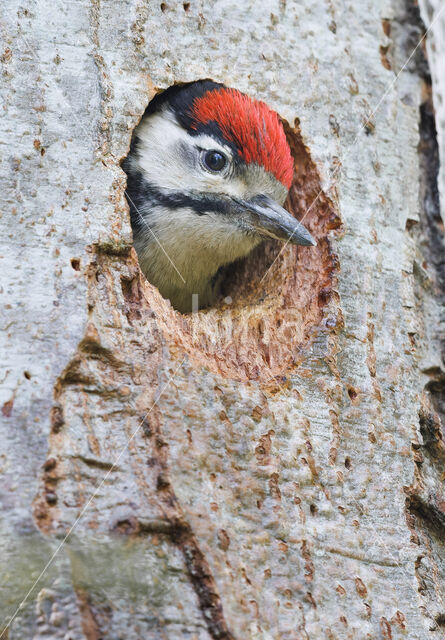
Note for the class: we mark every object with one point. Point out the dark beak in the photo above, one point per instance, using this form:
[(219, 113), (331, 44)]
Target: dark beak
[(268, 219)]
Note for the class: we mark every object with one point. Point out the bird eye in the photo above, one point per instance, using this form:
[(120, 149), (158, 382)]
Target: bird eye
[(214, 160)]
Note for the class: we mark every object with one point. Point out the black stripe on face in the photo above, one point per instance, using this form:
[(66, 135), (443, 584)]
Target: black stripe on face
[(143, 196)]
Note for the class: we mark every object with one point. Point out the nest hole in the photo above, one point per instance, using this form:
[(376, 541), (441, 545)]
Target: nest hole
[(274, 301)]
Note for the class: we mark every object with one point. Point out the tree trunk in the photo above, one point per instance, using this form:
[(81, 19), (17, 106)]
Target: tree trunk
[(271, 468)]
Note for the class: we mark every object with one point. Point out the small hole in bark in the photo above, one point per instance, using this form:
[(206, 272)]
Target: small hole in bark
[(51, 498), (49, 464), (352, 393), (27, 375), (75, 263), (186, 6), (273, 302), (347, 463), (163, 7)]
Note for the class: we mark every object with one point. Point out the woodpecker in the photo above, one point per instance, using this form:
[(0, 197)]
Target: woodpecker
[(207, 173)]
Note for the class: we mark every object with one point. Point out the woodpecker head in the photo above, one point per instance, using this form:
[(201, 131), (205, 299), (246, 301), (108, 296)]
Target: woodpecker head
[(208, 171)]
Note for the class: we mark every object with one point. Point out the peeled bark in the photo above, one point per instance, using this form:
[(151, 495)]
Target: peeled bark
[(270, 468)]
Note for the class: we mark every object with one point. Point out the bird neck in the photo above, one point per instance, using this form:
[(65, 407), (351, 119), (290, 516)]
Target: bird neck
[(180, 252)]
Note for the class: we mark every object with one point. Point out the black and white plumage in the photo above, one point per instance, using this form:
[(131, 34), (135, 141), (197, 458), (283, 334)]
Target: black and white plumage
[(208, 171)]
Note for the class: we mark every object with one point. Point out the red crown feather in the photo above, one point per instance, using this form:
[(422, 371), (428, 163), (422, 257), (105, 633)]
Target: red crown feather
[(251, 125)]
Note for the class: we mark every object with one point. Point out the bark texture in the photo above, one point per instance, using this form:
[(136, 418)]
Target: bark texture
[(269, 469)]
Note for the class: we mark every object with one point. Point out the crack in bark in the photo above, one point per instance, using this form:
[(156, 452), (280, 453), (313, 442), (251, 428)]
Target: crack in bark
[(425, 504), (181, 534), (105, 85), (363, 558), (179, 531)]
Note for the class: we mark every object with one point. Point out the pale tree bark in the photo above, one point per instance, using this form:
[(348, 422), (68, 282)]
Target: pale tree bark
[(271, 468)]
